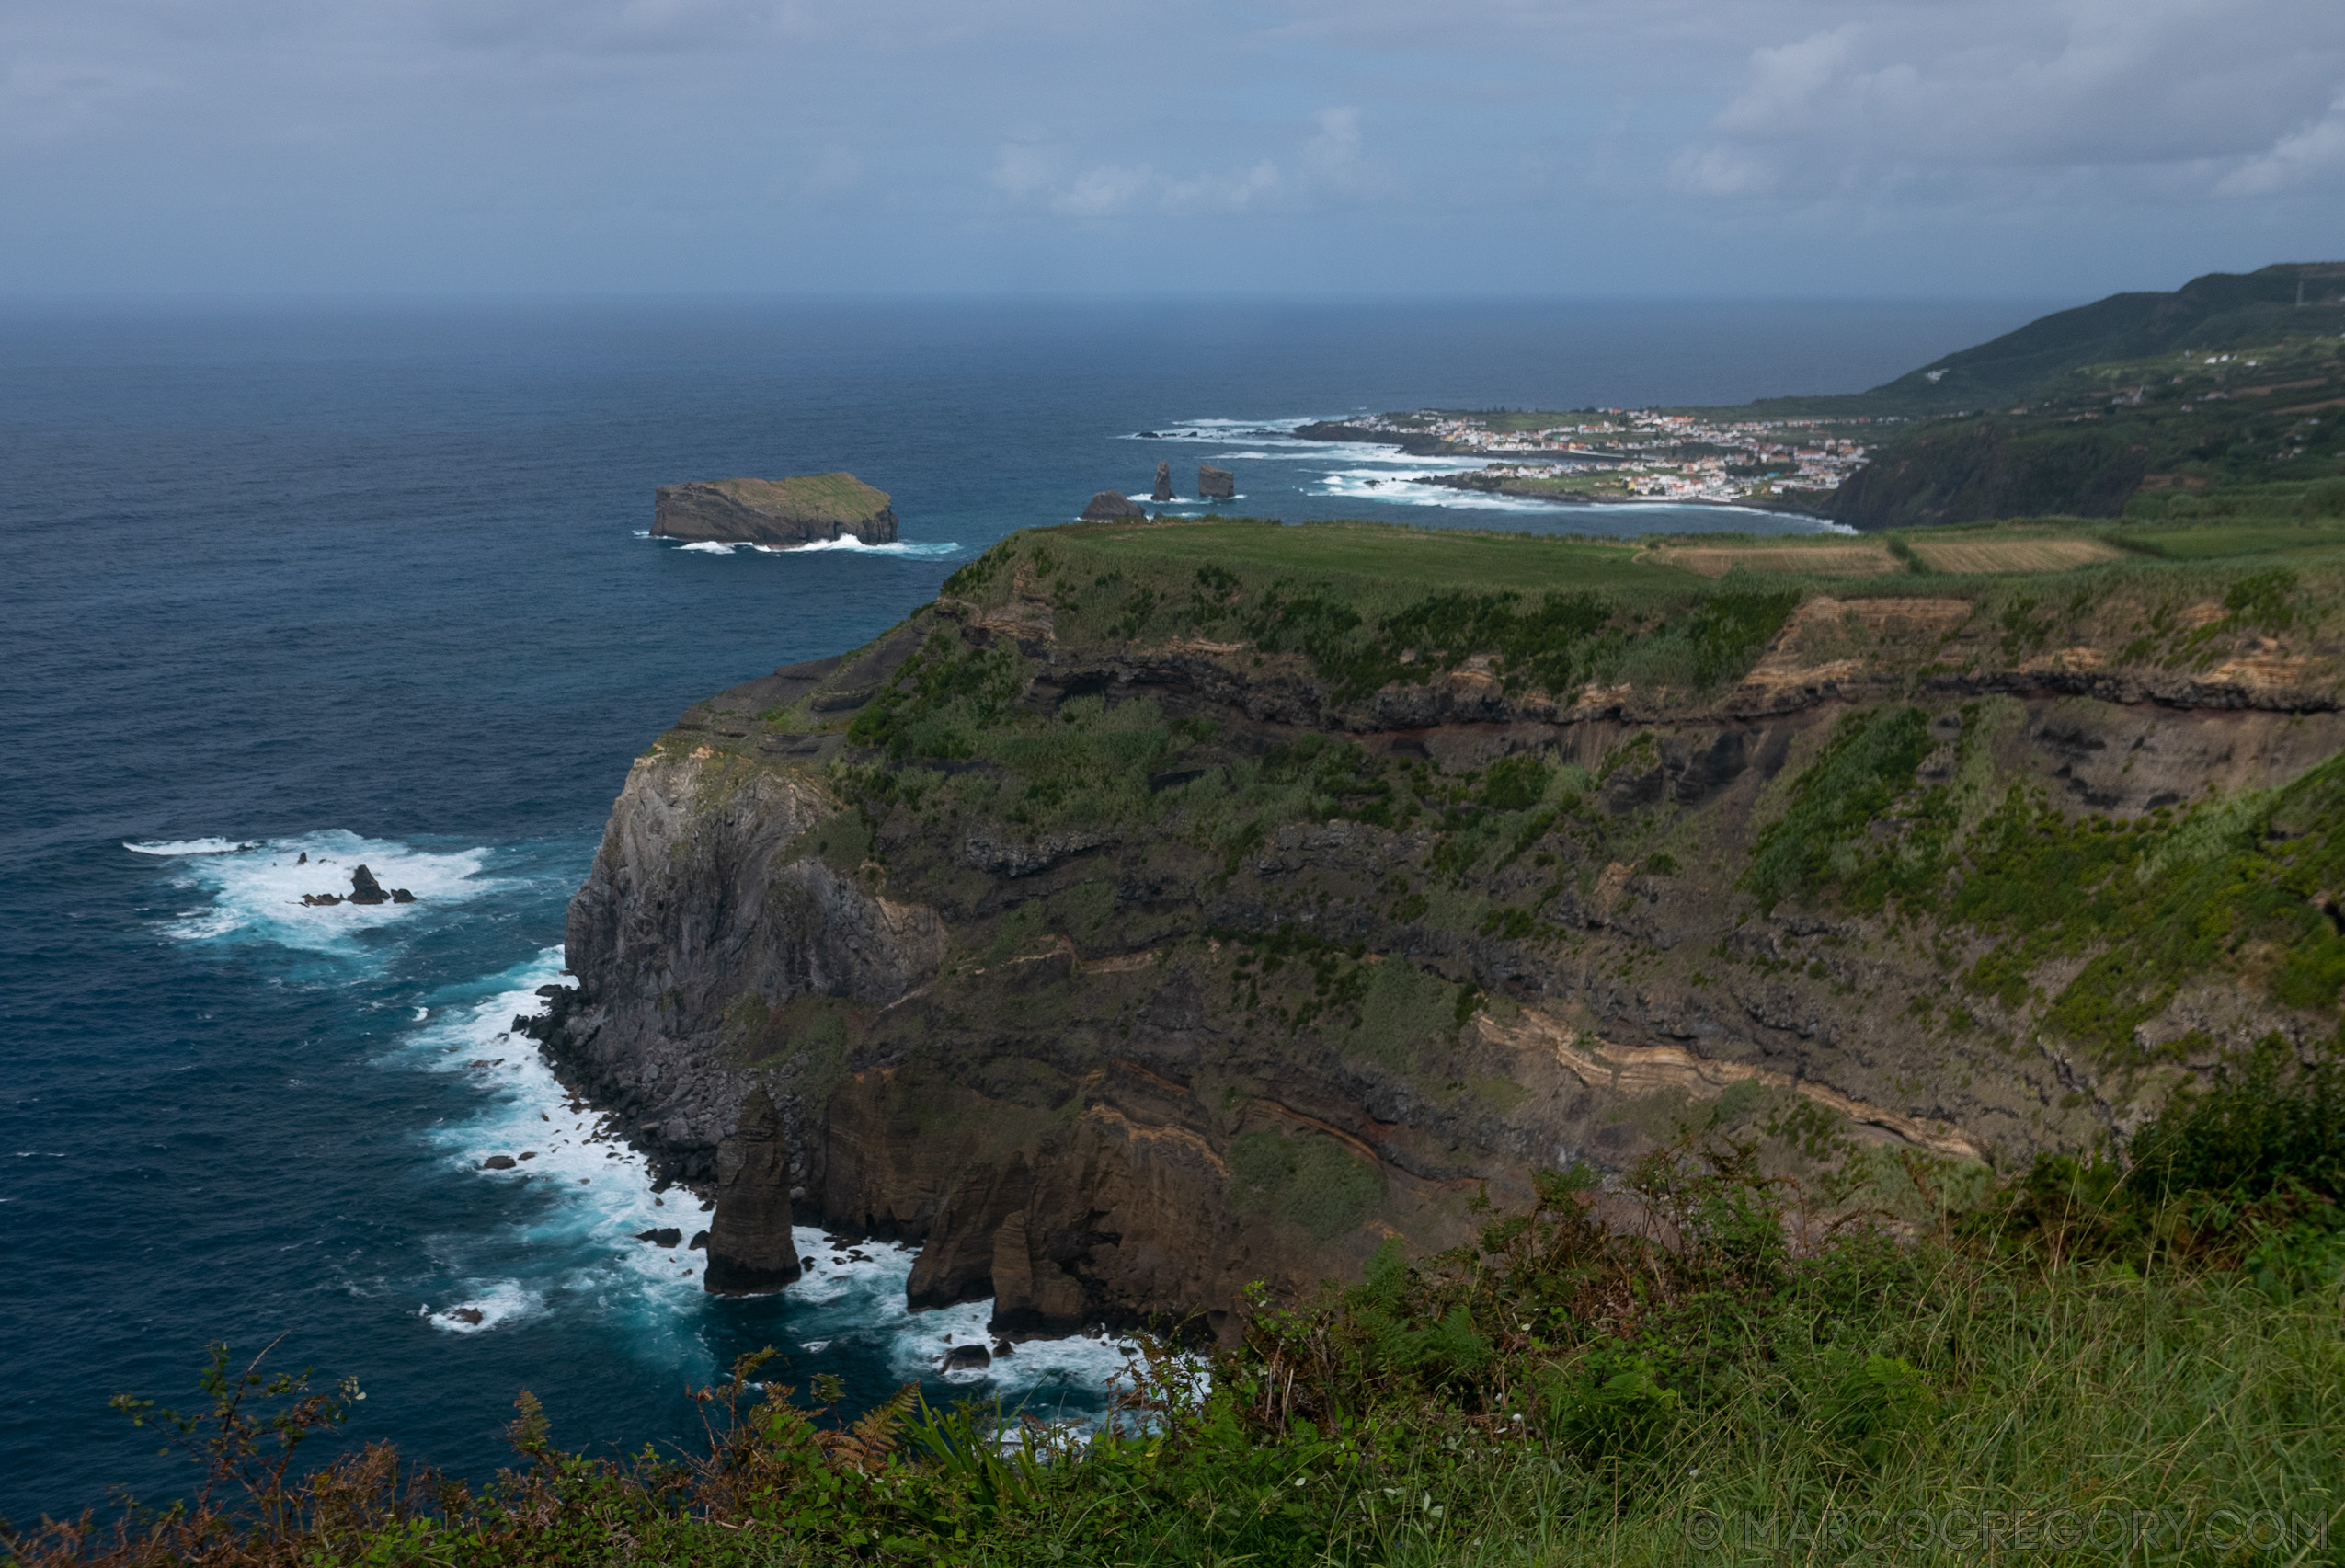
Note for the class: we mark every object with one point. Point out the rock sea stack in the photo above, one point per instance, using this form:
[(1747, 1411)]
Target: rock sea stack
[(1216, 484), (1109, 505), (750, 1251), (1163, 491), (803, 509)]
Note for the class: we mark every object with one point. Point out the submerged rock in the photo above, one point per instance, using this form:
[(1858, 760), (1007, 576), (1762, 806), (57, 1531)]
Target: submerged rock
[(750, 1251), (1109, 505), (802, 510), (498, 1163), (1217, 484)]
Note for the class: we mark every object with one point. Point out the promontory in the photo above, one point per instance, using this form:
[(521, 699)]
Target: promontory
[(806, 509), (1170, 907)]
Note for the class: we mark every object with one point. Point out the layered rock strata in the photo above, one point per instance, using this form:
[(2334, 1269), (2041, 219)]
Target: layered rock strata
[(808, 508), (1115, 1067)]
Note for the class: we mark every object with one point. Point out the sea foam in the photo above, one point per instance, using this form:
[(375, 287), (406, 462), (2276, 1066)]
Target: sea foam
[(903, 549), (253, 889), (186, 846), (584, 1196)]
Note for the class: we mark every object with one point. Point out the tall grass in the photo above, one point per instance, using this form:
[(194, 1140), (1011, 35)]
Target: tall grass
[(2102, 1362)]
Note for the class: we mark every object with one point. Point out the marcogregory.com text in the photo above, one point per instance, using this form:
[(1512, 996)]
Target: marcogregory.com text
[(2110, 1527)]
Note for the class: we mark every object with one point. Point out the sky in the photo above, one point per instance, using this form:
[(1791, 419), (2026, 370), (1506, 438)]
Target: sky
[(1598, 148)]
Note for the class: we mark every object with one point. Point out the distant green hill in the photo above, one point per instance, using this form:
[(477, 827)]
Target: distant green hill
[(2220, 311)]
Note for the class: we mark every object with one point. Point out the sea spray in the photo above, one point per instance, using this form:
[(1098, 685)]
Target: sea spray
[(587, 1199), (253, 889)]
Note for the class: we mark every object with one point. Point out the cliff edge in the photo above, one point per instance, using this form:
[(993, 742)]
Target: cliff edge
[(1169, 908)]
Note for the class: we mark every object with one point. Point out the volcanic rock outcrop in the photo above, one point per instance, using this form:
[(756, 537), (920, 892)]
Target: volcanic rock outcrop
[(750, 1251), (1217, 484), (1109, 505), (1119, 954), (364, 889), (803, 509)]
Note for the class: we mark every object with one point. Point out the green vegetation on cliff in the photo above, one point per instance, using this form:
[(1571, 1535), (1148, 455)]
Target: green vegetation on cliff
[(2094, 1362), (838, 497), (1909, 812)]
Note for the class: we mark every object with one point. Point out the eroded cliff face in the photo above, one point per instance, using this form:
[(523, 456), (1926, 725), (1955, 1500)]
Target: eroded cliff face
[(697, 909), (1168, 970)]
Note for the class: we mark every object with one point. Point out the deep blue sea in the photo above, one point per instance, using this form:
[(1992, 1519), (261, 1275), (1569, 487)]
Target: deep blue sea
[(372, 584)]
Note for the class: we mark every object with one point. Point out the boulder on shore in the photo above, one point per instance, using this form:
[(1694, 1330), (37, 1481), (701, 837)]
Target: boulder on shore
[(802, 510), (1217, 484), (1163, 491), (750, 1251), (1110, 505)]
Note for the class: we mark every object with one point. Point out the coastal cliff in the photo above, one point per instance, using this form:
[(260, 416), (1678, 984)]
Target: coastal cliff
[(807, 508), (1166, 909)]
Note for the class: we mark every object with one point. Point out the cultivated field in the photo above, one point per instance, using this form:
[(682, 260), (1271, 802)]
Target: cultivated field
[(1982, 556), (1818, 560)]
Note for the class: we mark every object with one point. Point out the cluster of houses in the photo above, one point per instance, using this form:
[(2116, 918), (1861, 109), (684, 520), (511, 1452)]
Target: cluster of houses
[(1661, 456)]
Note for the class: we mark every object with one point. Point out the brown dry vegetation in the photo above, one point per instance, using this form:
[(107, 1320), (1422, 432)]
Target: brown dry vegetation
[(1982, 555), (1822, 560)]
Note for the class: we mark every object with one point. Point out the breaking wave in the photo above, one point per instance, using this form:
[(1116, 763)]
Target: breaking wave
[(252, 890)]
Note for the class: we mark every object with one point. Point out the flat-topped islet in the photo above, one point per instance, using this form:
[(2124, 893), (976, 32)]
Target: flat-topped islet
[(806, 509)]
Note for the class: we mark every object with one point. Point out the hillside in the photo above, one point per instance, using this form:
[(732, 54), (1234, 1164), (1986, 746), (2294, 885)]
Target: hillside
[(2253, 432), (1172, 906), (2219, 312), (2227, 389)]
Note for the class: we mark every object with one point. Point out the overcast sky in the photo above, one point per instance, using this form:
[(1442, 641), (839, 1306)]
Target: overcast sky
[(2002, 148)]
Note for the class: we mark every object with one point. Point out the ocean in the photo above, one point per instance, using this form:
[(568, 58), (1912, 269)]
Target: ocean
[(373, 585)]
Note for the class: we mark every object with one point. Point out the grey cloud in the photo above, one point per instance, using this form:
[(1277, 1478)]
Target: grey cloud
[(2002, 87), (1329, 163), (1572, 144)]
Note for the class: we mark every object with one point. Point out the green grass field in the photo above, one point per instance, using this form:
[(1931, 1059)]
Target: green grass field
[(1380, 557)]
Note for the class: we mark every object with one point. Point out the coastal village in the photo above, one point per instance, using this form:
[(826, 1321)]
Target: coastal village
[(1633, 454)]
